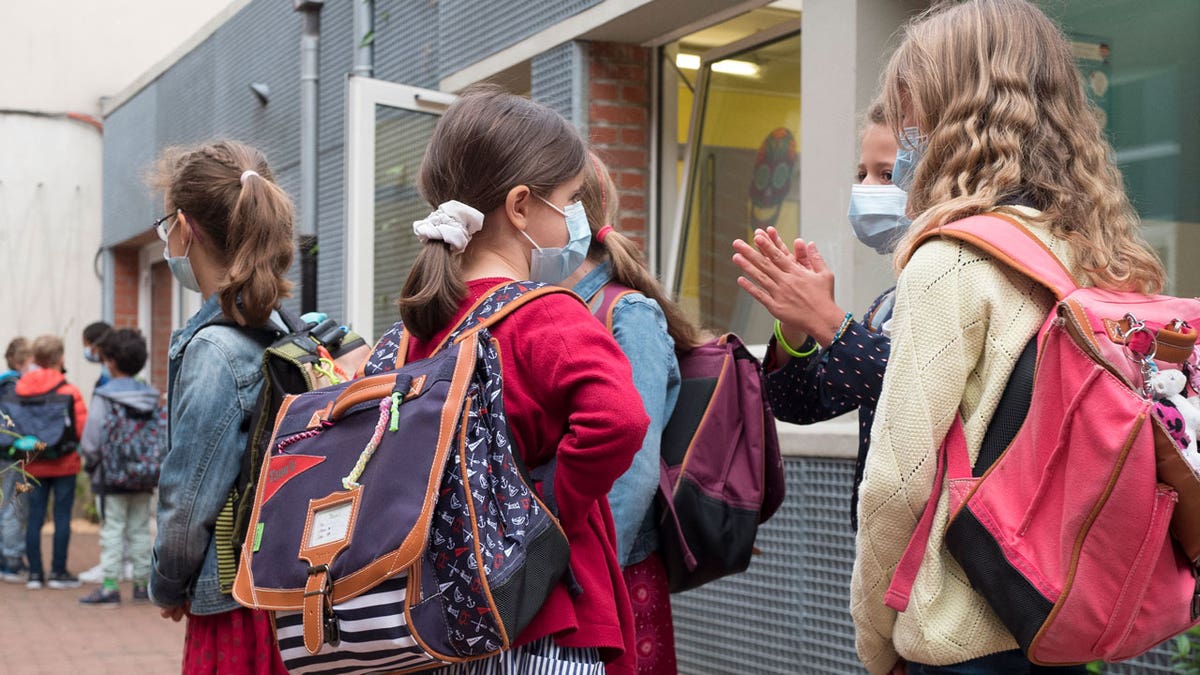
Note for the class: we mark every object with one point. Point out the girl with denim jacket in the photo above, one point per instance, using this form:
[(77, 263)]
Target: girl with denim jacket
[(650, 328), (505, 175), (228, 235)]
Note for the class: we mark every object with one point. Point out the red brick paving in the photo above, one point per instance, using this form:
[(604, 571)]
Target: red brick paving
[(49, 632)]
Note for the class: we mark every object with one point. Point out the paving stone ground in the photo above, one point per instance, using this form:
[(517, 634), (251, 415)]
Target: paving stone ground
[(49, 632)]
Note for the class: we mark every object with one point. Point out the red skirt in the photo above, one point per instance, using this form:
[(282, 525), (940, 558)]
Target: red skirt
[(654, 631), (240, 642)]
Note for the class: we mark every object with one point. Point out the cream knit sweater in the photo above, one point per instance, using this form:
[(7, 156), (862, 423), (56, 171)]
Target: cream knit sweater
[(959, 324)]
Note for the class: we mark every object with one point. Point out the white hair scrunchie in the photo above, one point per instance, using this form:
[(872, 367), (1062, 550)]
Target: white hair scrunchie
[(246, 174), (453, 222)]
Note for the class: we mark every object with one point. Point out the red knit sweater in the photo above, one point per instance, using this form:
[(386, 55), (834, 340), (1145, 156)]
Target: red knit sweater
[(42, 381), (568, 393)]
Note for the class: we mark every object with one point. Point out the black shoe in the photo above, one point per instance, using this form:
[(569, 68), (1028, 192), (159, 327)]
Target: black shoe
[(140, 593), (63, 580), (36, 581), (102, 597)]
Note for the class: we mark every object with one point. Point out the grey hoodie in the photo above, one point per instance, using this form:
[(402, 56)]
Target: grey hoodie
[(123, 390)]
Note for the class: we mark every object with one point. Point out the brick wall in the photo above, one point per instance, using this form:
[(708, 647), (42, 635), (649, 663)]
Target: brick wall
[(125, 287), (160, 323), (619, 126)]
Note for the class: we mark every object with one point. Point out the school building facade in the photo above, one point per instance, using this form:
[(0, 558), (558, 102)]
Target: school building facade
[(716, 116)]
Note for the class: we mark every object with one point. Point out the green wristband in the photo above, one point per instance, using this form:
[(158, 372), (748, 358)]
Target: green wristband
[(788, 348)]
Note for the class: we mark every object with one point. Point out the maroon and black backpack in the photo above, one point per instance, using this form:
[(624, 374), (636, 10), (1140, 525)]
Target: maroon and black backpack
[(722, 473)]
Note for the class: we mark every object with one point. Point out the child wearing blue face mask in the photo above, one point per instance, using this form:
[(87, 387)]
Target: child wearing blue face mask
[(92, 335), (227, 235), (650, 328), (506, 176), (821, 362)]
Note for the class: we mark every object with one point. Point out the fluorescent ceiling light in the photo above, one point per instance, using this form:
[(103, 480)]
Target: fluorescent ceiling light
[(727, 66), (731, 67)]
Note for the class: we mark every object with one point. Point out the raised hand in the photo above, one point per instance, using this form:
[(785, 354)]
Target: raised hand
[(793, 283)]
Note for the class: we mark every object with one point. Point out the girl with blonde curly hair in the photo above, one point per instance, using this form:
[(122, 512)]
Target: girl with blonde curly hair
[(991, 116)]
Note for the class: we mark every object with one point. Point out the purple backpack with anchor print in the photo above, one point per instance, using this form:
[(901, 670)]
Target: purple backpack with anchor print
[(394, 529)]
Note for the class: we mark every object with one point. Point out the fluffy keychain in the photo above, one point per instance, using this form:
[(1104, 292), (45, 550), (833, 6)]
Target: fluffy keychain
[(1180, 415)]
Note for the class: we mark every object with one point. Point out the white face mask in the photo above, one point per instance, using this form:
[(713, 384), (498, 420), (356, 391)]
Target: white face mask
[(552, 265), (877, 215)]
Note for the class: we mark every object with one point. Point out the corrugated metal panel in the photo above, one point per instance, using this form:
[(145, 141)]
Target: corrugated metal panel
[(484, 27), (186, 102), (789, 613), (128, 205), (331, 260), (556, 75), (260, 45), (406, 39)]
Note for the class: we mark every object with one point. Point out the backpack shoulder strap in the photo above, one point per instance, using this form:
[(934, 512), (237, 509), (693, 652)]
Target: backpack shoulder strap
[(1012, 243), (952, 462), (498, 303), (391, 350), (604, 301)]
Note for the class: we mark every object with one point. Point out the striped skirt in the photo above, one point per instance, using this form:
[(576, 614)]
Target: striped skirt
[(540, 657)]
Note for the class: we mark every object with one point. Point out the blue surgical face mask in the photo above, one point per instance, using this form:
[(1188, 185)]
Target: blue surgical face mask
[(552, 265), (90, 355), (181, 266), (908, 155), (877, 215)]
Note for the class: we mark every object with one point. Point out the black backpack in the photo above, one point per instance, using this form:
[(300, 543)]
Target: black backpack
[(308, 356), (40, 426)]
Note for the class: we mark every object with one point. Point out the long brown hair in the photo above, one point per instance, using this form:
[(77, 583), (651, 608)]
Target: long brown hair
[(601, 202), (246, 223), (487, 142), (993, 86)]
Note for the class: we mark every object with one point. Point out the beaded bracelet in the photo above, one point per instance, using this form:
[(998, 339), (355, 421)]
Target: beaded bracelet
[(842, 328), (788, 348)]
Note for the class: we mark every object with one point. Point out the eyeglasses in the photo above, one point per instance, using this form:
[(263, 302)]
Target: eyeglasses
[(162, 227)]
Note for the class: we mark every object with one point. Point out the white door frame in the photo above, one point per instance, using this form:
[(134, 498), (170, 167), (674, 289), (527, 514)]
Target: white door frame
[(362, 95)]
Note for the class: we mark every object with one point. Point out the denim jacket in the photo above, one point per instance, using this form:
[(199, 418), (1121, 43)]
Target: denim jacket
[(214, 374), (640, 328)]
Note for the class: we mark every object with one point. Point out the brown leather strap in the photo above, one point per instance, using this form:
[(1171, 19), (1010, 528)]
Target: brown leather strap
[(316, 597)]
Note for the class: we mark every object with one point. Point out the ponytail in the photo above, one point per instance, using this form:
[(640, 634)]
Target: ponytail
[(260, 238), (433, 290), (629, 269), (242, 217), (600, 202)]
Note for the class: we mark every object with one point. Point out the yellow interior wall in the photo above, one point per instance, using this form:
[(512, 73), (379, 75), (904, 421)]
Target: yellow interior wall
[(732, 123)]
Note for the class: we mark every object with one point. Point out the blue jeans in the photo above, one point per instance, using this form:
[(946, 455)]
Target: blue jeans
[(64, 500), (1001, 663), (14, 508)]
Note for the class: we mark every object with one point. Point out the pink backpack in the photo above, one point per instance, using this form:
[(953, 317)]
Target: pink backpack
[(1084, 534)]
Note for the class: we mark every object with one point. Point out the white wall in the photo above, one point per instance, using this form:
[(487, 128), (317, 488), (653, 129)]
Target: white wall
[(845, 47), (58, 57)]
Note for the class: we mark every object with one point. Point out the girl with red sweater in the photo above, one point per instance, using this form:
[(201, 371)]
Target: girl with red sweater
[(507, 174)]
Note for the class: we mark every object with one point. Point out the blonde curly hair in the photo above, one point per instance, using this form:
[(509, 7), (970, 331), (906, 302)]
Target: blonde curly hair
[(993, 87)]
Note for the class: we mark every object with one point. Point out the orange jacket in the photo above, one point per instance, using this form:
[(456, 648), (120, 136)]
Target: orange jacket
[(44, 381)]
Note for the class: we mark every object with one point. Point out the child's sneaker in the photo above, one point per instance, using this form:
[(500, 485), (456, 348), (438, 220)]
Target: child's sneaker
[(140, 593), (63, 580), (102, 597), (36, 581), (14, 571)]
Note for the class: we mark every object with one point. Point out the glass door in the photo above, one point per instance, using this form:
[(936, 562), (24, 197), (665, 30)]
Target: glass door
[(388, 127), (741, 172)]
